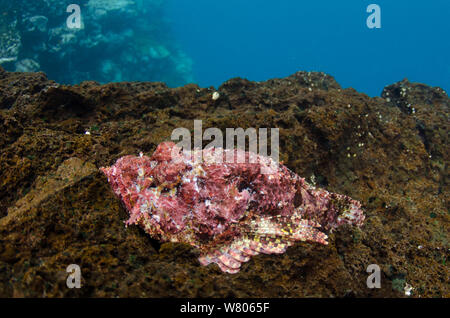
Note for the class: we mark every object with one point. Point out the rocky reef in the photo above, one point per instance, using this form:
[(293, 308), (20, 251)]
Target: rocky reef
[(117, 40), (56, 207)]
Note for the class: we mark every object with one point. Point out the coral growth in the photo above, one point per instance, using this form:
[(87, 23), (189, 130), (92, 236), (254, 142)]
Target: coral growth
[(117, 40)]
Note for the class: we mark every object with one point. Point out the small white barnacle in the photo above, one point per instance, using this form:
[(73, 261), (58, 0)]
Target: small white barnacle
[(408, 289), (215, 96)]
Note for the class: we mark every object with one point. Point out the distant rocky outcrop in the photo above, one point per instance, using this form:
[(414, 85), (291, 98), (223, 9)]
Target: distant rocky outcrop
[(117, 40)]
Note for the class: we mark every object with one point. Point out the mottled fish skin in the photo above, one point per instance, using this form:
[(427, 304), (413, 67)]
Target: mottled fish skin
[(229, 211)]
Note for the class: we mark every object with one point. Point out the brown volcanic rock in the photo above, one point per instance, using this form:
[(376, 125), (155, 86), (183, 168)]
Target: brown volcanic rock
[(56, 208)]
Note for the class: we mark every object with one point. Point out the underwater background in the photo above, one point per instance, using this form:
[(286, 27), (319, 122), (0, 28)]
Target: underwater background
[(259, 40), (208, 42), (361, 112)]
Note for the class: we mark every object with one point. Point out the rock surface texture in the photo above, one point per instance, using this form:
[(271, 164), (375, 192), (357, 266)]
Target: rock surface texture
[(56, 207)]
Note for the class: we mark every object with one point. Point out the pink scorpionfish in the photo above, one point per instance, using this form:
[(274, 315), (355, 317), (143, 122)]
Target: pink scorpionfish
[(229, 211)]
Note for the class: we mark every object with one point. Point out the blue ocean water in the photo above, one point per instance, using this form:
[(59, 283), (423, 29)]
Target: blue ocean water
[(259, 39), (209, 42)]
